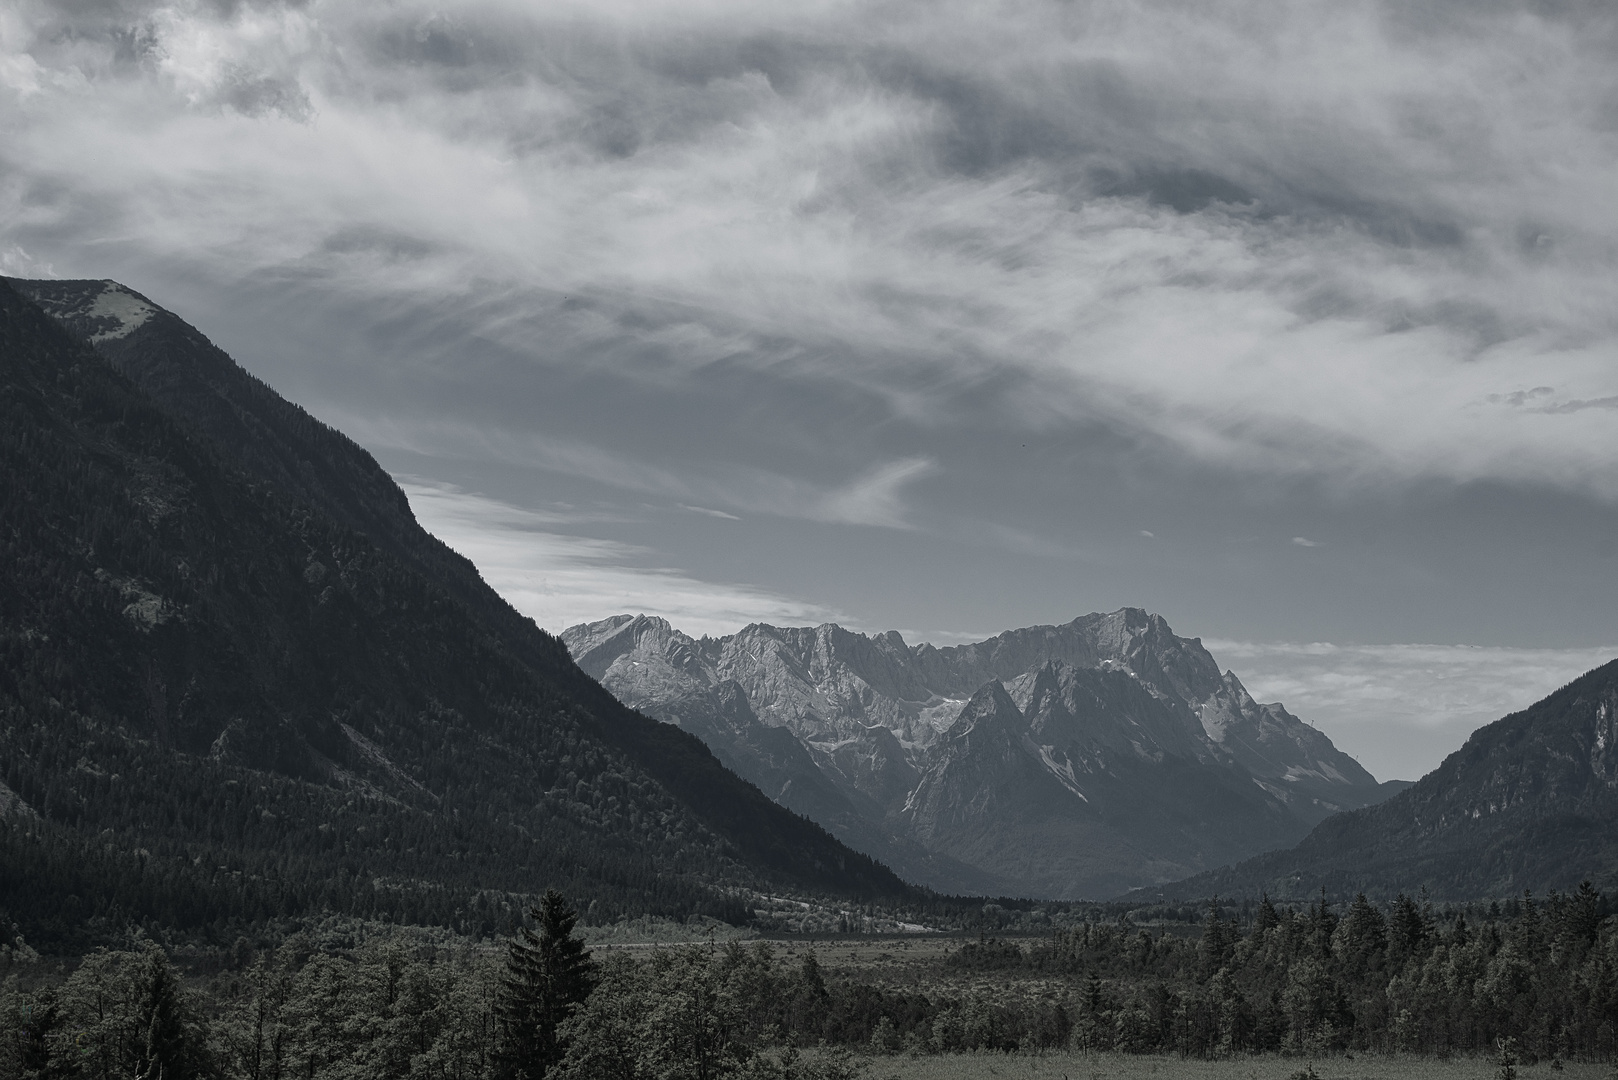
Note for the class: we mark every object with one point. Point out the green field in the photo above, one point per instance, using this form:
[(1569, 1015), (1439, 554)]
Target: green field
[(1074, 1066)]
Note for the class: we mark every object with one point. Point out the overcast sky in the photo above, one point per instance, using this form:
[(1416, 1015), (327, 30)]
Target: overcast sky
[(1293, 322)]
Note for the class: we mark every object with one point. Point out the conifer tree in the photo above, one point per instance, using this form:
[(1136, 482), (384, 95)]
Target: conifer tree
[(1218, 940), (1584, 914), (1360, 936), (165, 1046), (1267, 918), (548, 974), (1407, 929)]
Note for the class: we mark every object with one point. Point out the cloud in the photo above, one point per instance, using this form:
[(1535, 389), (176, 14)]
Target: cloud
[(1580, 406), (16, 262), (560, 579), (1304, 541), (1321, 239), (1402, 708), (710, 513), (872, 498)]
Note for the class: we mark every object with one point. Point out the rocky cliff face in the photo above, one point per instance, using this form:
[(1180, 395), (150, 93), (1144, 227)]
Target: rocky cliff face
[(1071, 761)]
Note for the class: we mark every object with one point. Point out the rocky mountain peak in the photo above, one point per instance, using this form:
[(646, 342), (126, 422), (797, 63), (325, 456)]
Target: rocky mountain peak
[(1084, 713), (1087, 710), (989, 712)]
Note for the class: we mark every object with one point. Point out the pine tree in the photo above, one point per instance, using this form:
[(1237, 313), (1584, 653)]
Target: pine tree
[(548, 975), (1584, 914), (1407, 930), (1322, 925), (1267, 918), (1360, 937), (1218, 940)]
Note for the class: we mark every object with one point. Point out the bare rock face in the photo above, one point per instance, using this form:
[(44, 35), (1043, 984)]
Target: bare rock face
[(1076, 761)]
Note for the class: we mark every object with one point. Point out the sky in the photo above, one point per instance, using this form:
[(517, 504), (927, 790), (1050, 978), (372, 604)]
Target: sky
[(1293, 323)]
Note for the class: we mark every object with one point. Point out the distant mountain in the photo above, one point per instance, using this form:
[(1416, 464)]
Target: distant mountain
[(1072, 761), (1529, 802), (239, 683)]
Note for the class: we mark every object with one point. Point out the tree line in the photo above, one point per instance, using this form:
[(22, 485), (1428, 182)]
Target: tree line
[(1539, 976)]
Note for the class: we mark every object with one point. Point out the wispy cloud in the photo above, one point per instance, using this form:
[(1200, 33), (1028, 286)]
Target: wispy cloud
[(874, 497), (1579, 405), (709, 512), (16, 262), (561, 579), (1307, 239), (1402, 708)]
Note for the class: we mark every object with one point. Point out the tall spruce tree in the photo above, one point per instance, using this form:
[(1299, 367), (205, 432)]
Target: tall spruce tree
[(167, 1043), (548, 975)]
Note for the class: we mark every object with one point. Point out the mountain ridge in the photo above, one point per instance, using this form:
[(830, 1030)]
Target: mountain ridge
[(1527, 802), (874, 713)]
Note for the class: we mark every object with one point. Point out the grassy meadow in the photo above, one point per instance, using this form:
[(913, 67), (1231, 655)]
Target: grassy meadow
[(1076, 1066)]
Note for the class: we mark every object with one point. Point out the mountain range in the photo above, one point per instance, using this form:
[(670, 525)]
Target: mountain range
[(240, 683), (1072, 761)]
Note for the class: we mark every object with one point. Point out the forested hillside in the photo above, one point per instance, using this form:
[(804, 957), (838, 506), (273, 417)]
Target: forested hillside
[(276, 442), (1528, 802), (222, 707)]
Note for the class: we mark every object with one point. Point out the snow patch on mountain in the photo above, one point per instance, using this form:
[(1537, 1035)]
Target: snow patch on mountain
[(122, 308)]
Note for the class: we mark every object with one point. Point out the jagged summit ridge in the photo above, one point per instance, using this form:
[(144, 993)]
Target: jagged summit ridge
[(1103, 708)]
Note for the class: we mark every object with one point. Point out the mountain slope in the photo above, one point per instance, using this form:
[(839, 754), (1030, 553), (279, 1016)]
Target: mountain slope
[(271, 439), (201, 670), (1149, 760), (1529, 802)]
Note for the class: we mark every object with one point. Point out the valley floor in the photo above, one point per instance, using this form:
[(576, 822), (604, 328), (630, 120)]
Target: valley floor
[(1078, 1066)]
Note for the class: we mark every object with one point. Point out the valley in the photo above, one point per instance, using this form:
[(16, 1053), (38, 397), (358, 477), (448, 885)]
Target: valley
[(266, 737), (1059, 540)]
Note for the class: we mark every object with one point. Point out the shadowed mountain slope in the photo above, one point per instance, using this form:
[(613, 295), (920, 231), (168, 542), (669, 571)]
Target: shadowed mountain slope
[(226, 702), (273, 440), (1529, 802)]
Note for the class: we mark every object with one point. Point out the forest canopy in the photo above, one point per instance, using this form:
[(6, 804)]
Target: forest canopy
[(1312, 980)]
